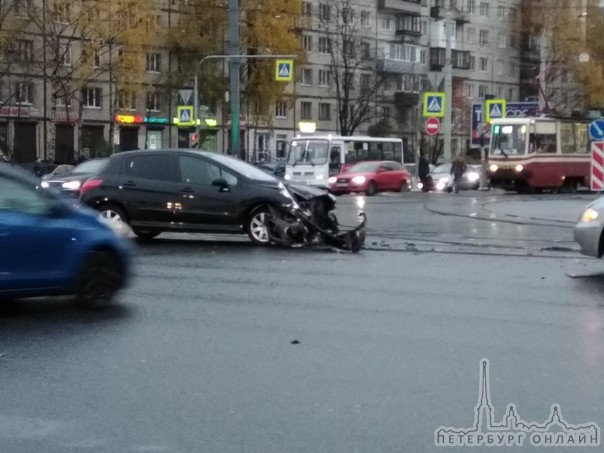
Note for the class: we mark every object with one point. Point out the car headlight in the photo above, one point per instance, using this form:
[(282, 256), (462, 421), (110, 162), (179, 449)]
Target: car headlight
[(44, 185), (519, 168), (332, 180), (473, 177), (440, 185), (443, 180), (589, 215), (493, 168), (287, 177), (319, 177), (71, 185), (283, 191), (359, 179)]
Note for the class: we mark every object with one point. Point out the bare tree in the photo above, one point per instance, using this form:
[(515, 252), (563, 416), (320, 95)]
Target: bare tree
[(352, 65)]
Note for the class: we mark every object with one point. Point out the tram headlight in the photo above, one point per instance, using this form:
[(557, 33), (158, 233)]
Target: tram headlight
[(589, 215), (518, 168), (493, 168)]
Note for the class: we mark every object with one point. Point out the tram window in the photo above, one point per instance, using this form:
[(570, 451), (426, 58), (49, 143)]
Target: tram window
[(567, 138), (545, 143)]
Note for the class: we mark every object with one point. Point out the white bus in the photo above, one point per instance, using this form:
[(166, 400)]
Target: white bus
[(313, 159)]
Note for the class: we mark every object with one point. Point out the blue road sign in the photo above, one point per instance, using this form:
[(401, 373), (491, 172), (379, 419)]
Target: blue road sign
[(434, 104), (596, 129)]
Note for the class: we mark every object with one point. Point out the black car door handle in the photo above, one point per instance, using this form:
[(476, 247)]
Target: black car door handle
[(129, 184), (187, 190)]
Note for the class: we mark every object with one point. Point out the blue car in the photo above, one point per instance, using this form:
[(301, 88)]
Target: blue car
[(49, 246)]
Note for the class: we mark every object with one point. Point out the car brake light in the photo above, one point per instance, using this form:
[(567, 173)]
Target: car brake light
[(92, 183)]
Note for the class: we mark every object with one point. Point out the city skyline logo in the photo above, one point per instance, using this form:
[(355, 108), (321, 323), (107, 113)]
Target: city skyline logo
[(512, 431)]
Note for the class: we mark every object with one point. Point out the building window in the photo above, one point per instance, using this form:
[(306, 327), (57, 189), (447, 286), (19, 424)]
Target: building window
[(365, 50), (65, 55), (347, 15), (281, 109), (154, 62), (324, 111), (511, 96), (306, 9), (281, 143), (23, 7), (471, 9), (484, 64), (386, 113), (96, 60), (126, 100), (348, 50), (24, 93), (484, 37), (365, 82), (484, 9), (324, 45), (324, 12), (307, 42), (472, 63), (512, 14), (324, 78), (153, 101), (483, 90), (306, 110), (471, 35), (62, 97), (500, 12), (21, 50), (306, 77), (500, 67), (61, 12), (403, 52), (501, 40), (91, 97), (365, 19), (423, 57), (470, 91), (386, 24)]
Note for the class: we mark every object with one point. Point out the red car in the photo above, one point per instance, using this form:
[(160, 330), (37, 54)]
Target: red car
[(371, 177)]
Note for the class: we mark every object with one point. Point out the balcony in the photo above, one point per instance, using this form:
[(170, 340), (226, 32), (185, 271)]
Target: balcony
[(408, 24), (397, 66), (460, 59), (411, 6)]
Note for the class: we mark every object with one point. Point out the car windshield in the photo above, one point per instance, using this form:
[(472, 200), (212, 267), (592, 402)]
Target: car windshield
[(508, 139), (241, 167), (90, 166), (364, 167), (309, 152), (444, 168)]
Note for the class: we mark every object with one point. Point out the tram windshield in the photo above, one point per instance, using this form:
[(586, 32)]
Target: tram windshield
[(509, 139)]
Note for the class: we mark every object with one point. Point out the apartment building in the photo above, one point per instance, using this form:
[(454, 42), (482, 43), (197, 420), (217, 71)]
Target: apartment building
[(398, 48)]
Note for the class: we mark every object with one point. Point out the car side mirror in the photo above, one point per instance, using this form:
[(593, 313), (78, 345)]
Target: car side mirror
[(222, 184)]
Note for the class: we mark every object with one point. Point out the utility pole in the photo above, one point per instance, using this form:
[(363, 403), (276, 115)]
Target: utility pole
[(234, 88), (45, 81), (448, 74)]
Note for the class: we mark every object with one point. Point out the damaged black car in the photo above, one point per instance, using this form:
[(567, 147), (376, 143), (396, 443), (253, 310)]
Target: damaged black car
[(194, 191)]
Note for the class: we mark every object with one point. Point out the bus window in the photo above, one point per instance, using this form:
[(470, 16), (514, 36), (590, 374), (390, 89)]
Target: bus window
[(388, 153), (374, 151), (335, 159)]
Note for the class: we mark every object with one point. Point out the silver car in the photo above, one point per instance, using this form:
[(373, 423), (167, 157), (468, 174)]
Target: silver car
[(588, 231)]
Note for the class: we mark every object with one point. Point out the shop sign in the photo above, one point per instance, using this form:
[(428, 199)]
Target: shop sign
[(14, 111)]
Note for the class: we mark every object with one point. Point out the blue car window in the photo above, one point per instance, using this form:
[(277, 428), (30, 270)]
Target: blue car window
[(19, 198)]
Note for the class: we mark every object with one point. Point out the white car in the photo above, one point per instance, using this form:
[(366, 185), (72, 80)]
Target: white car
[(588, 231)]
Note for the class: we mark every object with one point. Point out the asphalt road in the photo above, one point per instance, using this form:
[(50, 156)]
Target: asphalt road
[(218, 346)]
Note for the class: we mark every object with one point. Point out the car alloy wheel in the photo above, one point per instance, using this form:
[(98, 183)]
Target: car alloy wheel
[(100, 278), (257, 227)]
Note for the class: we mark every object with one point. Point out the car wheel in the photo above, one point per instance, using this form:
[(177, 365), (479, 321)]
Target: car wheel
[(111, 213), (371, 189), (257, 226), (404, 187), (100, 278), (146, 234)]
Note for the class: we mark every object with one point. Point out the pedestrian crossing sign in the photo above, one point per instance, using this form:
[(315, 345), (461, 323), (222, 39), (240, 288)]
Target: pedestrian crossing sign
[(434, 104), (495, 108), (185, 115), (284, 70)]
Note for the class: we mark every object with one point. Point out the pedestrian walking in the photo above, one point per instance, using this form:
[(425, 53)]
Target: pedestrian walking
[(458, 168), (424, 172)]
